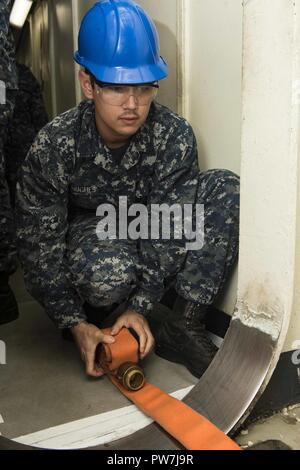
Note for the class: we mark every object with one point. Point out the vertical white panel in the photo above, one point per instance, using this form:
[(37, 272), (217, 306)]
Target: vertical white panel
[(293, 336), (212, 50), (270, 141), (183, 57)]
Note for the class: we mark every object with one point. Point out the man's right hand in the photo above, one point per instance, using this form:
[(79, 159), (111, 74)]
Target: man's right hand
[(87, 337)]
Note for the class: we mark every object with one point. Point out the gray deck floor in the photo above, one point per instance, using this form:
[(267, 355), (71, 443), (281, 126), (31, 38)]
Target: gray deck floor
[(43, 383)]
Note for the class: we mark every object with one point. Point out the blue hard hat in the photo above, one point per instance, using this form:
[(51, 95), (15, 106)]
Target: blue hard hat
[(118, 43)]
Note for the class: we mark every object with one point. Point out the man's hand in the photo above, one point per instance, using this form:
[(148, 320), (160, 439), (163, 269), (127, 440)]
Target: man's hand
[(132, 319), (87, 337)]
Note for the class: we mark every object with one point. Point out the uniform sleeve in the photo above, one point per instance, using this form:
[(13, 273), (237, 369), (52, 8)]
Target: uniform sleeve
[(41, 219), (175, 182)]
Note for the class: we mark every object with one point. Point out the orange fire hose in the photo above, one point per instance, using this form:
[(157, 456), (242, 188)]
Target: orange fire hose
[(192, 430)]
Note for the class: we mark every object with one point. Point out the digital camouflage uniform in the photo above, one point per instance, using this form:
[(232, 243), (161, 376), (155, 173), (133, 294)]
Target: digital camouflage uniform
[(8, 78), (28, 118), (69, 172)]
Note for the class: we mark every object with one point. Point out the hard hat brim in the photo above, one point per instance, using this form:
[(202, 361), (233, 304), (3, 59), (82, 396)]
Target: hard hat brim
[(122, 75)]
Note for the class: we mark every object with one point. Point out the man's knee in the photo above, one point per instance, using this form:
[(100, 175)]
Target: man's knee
[(103, 278), (222, 186), (220, 178), (110, 276)]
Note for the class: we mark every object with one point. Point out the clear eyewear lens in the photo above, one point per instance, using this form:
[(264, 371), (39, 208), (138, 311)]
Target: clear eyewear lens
[(117, 96)]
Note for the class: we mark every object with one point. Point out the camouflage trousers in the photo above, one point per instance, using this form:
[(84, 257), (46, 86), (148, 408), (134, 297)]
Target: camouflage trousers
[(7, 232), (107, 272)]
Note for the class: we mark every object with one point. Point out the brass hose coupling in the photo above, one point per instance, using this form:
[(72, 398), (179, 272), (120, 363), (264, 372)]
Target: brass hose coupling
[(131, 376)]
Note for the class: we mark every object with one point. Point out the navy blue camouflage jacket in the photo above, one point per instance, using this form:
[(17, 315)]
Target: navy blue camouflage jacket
[(159, 166)]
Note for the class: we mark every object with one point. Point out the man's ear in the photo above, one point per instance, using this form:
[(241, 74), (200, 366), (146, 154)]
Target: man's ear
[(86, 85)]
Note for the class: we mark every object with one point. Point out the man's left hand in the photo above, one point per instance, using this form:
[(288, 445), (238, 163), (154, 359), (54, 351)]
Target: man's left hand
[(132, 319)]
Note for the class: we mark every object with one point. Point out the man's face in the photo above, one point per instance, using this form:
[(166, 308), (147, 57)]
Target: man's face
[(115, 123)]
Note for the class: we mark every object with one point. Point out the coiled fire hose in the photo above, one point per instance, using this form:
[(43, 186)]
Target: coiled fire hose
[(120, 362)]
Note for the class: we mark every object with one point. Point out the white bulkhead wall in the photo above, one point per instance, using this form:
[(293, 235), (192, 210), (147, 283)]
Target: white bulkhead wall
[(212, 76), (210, 38), (212, 45), (270, 154), (293, 337)]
